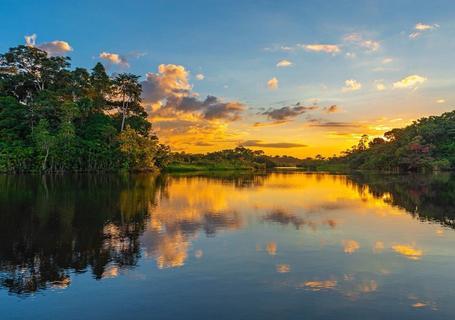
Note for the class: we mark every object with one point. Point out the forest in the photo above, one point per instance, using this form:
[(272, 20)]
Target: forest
[(53, 118), (426, 145)]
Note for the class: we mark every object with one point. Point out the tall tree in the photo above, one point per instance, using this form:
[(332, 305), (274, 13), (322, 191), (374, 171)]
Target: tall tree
[(128, 91)]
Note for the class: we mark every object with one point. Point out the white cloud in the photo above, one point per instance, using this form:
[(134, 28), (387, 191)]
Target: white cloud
[(412, 81), (422, 27), (351, 85), (414, 35), (53, 48), (317, 47), (200, 76), (387, 60), (380, 86), (272, 84), (371, 45), (284, 63), (30, 40), (358, 40)]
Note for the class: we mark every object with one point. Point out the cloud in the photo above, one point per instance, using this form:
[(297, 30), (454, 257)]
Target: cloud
[(170, 90), (259, 143), (30, 40), (333, 124), (351, 85), (414, 35), (332, 109), (441, 101), (114, 58), (387, 60), (288, 112), (317, 47), (200, 76), (412, 81), (284, 63), (358, 40), (272, 84), (422, 27), (170, 81), (380, 86), (53, 48)]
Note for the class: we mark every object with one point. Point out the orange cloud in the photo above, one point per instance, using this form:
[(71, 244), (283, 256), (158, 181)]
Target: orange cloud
[(53, 48), (272, 84), (113, 58)]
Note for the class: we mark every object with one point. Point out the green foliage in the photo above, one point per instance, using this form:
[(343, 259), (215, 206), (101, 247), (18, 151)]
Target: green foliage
[(426, 145), (138, 151), (56, 119)]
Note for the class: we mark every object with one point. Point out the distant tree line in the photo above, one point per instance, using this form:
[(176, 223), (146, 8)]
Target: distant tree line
[(428, 144), (55, 119)]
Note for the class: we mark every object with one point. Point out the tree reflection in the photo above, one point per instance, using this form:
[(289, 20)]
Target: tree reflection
[(53, 226), (426, 197), (50, 226)]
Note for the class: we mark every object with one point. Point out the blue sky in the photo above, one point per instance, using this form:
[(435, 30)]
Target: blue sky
[(236, 45)]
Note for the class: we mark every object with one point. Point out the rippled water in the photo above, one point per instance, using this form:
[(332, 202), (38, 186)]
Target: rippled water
[(284, 245)]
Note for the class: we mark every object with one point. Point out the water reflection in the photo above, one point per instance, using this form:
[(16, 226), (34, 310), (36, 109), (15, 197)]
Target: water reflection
[(54, 227)]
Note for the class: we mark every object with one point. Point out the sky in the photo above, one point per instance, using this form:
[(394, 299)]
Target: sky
[(289, 77)]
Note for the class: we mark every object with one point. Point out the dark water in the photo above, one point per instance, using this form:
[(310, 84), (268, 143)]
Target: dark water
[(275, 246)]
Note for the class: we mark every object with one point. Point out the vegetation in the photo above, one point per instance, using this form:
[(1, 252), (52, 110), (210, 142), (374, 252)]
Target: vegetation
[(239, 158), (426, 145), (56, 119)]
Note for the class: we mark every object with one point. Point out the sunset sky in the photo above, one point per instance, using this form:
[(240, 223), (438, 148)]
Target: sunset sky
[(288, 77)]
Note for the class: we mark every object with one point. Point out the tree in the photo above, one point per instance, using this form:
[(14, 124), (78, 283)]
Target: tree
[(44, 141), (128, 90), (139, 151)]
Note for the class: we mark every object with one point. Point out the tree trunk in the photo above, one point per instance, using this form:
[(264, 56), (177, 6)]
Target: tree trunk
[(45, 159), (123, 119)]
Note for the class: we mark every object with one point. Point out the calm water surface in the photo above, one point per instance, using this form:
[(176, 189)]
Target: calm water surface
[(275, 246)]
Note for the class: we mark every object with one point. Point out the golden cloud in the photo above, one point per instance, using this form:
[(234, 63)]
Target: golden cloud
[(411, 81)]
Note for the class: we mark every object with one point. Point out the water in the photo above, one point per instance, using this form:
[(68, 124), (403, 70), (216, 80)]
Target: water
[(284, 245)]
